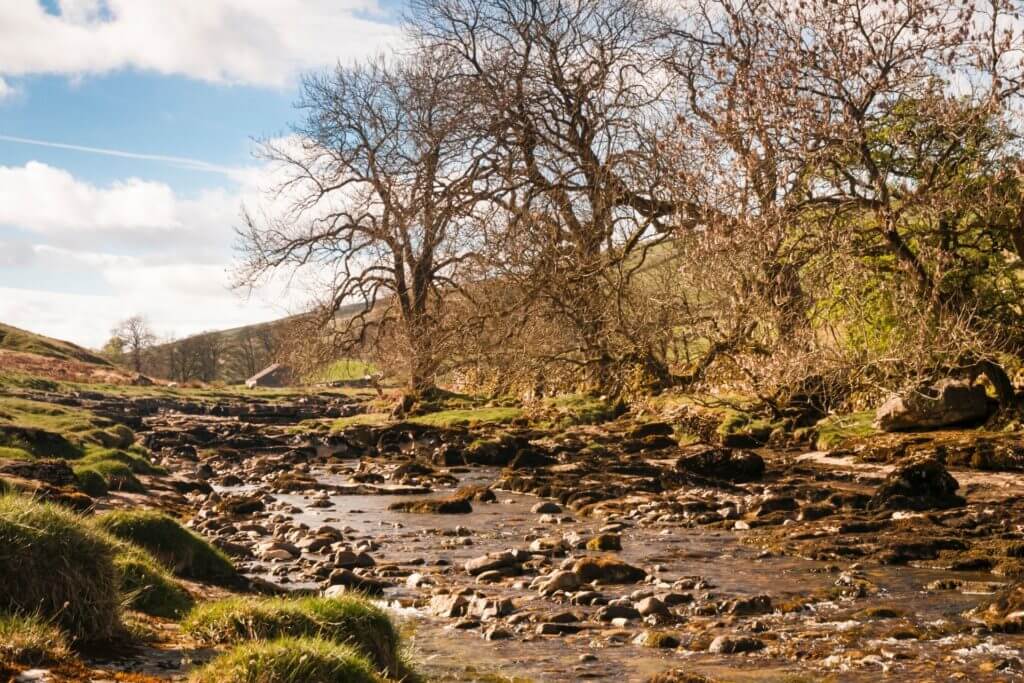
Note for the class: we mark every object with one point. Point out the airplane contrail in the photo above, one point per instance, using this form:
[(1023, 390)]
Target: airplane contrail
[(182, 162)]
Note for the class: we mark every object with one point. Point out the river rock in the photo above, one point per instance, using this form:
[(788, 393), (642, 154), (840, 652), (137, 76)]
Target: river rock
[(546, 507), (489, 562), (608, 569), (727, 645), (651, 606), (1005, 612), (948, 402), (449, 606), (921, 485), (613, 612), (561, 580)]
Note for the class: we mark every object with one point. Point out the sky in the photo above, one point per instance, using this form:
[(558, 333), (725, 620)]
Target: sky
[(127, 132)]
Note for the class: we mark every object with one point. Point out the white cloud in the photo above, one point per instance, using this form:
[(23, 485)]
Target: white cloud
[(139, 245), (262, 42), (42, 198), (6, 90), (88, 318)]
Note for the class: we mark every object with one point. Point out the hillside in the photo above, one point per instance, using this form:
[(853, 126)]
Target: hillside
[(230, 355), (23, 341), (27, 354)]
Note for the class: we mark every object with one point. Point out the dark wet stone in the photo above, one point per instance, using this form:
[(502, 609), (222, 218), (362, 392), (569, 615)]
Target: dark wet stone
[(436, 506), (756, 604), (921, 485), (609, 612), (722, 463), (552, 629)]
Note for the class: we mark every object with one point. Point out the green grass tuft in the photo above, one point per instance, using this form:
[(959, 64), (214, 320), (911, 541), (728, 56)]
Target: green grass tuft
[(184, 552), (147, 587), (31, 641), (288, 660), (52, 564), (116, 476), (138, 463), (11, 453), (347, 620)]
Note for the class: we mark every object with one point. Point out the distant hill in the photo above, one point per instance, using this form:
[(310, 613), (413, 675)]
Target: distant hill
[(23, 341), (232, 355)]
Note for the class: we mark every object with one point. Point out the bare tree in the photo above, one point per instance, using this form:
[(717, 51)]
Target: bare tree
[(137, 336), (383, 176), (576, 101)]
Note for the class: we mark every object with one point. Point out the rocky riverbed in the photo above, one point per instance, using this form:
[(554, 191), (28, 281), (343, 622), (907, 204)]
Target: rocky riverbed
[(611, 552)]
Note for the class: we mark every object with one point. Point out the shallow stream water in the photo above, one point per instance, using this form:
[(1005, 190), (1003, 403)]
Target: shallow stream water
[(672, 552)]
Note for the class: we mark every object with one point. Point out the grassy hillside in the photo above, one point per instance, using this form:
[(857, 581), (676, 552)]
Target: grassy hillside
[(15, 339)]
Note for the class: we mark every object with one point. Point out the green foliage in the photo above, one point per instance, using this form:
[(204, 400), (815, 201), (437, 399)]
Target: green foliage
[(55, 566), (347, 620), (184, 552), (31, 641), (288, 660)]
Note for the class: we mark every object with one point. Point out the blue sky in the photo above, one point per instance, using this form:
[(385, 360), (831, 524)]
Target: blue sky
[(88, 238)]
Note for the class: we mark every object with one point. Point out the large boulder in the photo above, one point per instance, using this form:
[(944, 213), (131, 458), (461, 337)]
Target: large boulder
[(949, 402), (921, 485), (715, 462)]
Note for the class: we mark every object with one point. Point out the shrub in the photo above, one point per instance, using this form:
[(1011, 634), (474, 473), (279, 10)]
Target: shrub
[(146, 585), (31, 641), (347, 620), (186, 553), (54, 565), (288, 660)]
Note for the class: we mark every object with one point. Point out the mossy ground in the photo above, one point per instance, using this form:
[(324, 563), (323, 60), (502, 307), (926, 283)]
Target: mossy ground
[(349, 620), (836, 430), (48, 430), (577, 409), (469, 417)]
